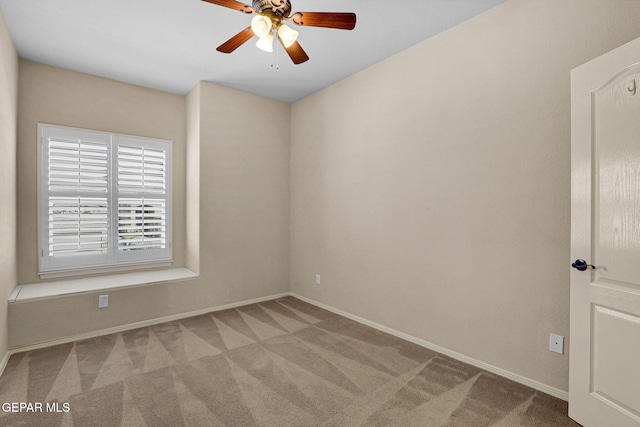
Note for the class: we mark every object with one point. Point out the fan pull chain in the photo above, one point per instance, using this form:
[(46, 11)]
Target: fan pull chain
[(277, 55)]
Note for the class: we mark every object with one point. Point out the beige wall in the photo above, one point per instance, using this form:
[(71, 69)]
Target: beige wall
[(192, 254), (8, 122), (242, 200), (432, 190), (244, 192)]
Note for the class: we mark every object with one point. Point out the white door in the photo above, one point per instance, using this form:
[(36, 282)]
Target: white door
[(604, 384)]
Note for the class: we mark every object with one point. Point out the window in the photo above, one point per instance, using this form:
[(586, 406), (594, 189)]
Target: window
[(105, 200)]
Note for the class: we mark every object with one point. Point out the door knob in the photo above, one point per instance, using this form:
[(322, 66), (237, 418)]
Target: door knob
[(581, 265)]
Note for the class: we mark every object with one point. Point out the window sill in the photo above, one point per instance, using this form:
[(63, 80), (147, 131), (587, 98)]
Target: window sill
[(114, 269), (35, 291)]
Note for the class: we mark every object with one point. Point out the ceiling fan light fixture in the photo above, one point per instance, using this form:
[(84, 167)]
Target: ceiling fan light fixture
[(270, 15), (266, 43), (261, 25), (287, 35)]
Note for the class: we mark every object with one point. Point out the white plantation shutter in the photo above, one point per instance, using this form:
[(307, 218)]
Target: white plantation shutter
[(77, 225), (142, 197), (141, 224), (78, 165), (105, 199), (141, 170), (141, 220)]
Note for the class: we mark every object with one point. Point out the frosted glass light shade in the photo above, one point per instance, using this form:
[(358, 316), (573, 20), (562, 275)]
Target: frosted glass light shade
[(287, 35), (261, 25), (266, 43)]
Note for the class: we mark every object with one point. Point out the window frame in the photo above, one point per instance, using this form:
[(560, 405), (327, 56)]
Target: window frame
[(114, 260)]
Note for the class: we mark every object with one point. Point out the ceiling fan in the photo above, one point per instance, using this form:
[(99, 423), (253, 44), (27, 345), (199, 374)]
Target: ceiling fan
[(270, 16)]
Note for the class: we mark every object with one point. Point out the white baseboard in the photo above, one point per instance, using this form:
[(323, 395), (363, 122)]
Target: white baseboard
[(560, 394), (136, 325)]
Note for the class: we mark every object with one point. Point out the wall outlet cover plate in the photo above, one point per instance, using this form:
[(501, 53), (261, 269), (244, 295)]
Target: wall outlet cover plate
[(556, 343), (103, 301)]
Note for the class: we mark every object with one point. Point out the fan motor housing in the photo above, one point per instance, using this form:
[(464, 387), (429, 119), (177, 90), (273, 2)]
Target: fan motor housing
[(281, 8)]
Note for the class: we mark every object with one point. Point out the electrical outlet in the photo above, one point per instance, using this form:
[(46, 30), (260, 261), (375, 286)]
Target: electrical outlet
[(317, 279), (103, 301), (556, 343)]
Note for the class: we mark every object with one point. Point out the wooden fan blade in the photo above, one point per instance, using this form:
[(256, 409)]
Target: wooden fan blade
[(232, 4), (236, 41), (296, 53), (341, 21)]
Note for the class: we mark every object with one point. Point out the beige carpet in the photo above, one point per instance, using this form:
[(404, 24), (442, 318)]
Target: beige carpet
[(278, 363)]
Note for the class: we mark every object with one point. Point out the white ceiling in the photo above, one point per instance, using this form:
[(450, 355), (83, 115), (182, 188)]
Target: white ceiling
[(171, 44)]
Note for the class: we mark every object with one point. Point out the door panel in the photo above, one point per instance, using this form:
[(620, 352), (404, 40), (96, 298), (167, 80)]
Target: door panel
[(615, 349), (616, 202), (604, 378)]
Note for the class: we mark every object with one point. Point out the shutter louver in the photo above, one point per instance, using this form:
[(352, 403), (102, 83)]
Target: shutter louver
[(141, 170), (141, 224), (77, 225), (78, 165)]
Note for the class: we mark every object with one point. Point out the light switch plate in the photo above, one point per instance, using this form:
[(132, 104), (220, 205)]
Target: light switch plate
[(317, 279)]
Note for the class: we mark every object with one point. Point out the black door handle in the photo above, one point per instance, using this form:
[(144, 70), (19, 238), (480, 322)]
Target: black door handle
[(581, 265)]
